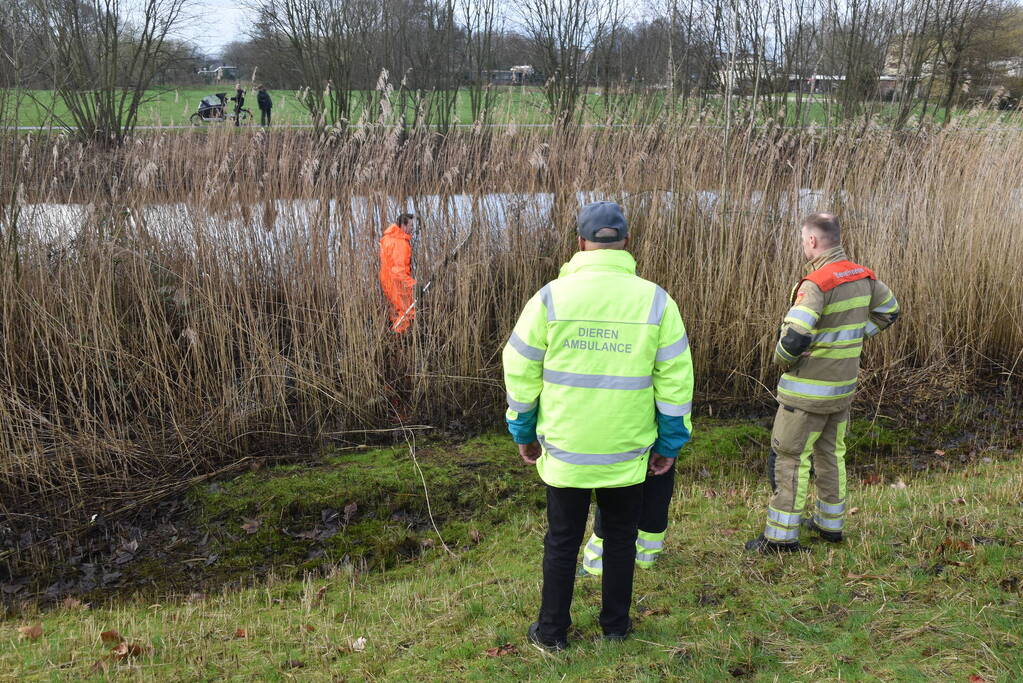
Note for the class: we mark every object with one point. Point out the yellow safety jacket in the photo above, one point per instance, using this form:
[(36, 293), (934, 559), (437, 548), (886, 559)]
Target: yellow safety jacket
[(598, 369)]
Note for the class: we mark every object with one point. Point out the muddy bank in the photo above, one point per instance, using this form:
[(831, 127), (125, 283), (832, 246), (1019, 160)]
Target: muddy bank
[(369, 509)]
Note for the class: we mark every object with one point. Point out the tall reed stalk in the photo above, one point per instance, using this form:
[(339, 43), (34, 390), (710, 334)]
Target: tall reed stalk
[(188, 315)]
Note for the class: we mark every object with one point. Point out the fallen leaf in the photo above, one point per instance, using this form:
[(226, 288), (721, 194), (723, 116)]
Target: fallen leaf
[(111, 637), (899, 484), (976, 679), (506, 649), (710, 493), (241, 633), (427, 543), (853, 511), (653, 611), (939, 453), (729, 532), (308, 628), (126, 650), (959, 501), (293, 664), (70, 603), (350, 511), (319, 595), (475, 535), (251, 526), (359, 644), (953, 544), (33, 632), (100, 665)]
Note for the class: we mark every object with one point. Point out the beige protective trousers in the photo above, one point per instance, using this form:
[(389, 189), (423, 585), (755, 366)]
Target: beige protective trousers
[(801, 441)]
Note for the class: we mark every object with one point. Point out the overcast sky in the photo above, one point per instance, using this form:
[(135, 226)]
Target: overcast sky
[(216, 25)]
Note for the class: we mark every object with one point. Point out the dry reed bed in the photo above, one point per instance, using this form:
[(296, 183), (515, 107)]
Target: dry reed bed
[(138, 354)]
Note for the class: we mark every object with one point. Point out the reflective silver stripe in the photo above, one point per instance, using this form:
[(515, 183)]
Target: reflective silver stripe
[(548, 302), (530, 352), (831, 508), (597, 564), (888, 307), (783, 352), (674, 409), (657, 307), (840, 336), (595, 549), (575, 379), (773, 533), (645, 557), (802, 316), (590, 458), (784, 518), (673, 350), (815, 389), (649, 545), (520, 407), (871, 329), (828, 523)]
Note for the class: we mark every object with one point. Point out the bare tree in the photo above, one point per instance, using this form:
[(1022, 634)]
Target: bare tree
[(322, 35), (102, 56), (482, 24), (565, 33)]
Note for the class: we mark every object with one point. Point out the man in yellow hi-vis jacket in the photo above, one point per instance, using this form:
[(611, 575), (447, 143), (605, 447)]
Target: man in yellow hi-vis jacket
[(600, 383), (834, 308)]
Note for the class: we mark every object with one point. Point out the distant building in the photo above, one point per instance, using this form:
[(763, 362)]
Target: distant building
[(517, 75), (815, 83), (742, 71), (220, 73), (1010, 68)]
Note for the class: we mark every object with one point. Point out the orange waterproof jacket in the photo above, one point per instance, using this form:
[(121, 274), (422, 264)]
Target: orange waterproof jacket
[(396, 274)]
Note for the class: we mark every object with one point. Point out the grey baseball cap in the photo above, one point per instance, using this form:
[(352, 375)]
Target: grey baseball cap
[(599, 215)]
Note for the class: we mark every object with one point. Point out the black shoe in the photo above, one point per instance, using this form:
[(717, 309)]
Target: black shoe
[(761, 545), (829, 536), (619, 636), (555, 645)]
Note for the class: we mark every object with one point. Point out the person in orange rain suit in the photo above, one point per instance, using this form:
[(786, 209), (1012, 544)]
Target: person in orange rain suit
[(396, 272)]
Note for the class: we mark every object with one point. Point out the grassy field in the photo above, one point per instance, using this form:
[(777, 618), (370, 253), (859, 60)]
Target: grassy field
[(522, 106), (174, 107), (927, 587)]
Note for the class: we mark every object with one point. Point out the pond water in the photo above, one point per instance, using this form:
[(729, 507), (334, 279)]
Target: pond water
[(56, 223)]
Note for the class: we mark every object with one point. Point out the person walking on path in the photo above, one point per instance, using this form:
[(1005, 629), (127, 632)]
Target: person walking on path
[(396, 272), (599, 380), (833, 309), (265, 105), (239, 102)]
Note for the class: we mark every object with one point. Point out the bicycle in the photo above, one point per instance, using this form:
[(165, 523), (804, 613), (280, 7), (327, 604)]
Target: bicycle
[(214, 109), (244, 117)]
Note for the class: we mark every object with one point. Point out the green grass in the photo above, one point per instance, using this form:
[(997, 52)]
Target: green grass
[(523, 106), (173, 107), (927, 587)]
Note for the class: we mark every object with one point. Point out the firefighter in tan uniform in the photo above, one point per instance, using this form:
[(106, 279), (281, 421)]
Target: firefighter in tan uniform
[(836, 307)]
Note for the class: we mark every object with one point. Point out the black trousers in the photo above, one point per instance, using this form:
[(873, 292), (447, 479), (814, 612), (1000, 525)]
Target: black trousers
[(657, 492), (567, 510), (264, 117)]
